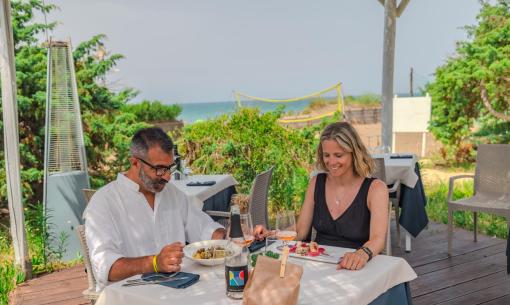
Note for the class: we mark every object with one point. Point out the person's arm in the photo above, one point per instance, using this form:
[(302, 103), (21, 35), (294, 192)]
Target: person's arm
[(378, 201), (306, 215), (198, 225), (168, 260), (378, 204)]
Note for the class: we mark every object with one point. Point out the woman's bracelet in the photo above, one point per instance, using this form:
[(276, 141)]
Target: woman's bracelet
[(367, 251)]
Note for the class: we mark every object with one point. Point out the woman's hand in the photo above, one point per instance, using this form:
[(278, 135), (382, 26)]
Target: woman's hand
[(353, 260), (259, 232)]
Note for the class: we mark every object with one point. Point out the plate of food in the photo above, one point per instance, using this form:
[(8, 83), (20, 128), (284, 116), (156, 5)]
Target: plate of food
[(209, 252), (311, 251)]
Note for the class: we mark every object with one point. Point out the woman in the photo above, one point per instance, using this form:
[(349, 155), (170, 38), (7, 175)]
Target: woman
[(344, 204)]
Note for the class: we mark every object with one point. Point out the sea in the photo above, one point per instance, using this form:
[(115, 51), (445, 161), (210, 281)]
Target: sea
[(192, 112)]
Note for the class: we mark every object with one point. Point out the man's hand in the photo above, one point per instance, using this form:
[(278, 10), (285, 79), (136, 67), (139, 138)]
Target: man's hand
[(353, 260), (170, 258)]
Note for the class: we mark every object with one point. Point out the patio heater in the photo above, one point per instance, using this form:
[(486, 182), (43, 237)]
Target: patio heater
[(65, 163)]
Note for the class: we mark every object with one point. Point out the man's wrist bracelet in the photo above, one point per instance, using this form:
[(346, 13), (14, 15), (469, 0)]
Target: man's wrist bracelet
[(155, 263), (367, 251)]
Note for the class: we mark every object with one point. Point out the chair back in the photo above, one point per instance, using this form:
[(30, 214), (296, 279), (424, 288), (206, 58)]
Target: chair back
[(492, 174), (80, 230), (380, 171), (88, 193), (259, 196)]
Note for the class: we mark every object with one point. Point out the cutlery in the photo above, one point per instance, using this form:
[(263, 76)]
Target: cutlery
[(155, 281)]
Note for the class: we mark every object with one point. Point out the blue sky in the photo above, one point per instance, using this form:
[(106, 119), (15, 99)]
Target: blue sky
[(201, 50)]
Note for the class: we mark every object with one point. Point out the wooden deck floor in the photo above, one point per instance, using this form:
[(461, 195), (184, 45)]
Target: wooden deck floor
[(476, 274)]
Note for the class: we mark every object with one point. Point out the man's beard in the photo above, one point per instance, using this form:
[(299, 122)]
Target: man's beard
[(155, 185)]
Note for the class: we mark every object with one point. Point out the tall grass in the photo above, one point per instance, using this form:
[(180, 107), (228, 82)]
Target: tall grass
[(437, 210)]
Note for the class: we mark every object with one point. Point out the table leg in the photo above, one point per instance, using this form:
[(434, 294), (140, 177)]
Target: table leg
[(408, 242)]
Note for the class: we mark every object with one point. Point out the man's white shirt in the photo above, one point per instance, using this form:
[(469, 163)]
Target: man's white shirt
[(120, 223)]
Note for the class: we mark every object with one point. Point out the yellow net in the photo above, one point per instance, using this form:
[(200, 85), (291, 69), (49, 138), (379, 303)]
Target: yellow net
[(331, 98)]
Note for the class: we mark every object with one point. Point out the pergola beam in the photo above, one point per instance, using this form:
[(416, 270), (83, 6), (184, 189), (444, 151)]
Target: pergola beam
[(11, 140), (391, 13)]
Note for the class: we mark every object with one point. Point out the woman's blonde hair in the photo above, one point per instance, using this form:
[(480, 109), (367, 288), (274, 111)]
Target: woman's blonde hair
[(347, 137)]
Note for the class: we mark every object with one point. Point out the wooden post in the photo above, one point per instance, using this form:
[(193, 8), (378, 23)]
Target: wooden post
[(391, 12), (11, 140)]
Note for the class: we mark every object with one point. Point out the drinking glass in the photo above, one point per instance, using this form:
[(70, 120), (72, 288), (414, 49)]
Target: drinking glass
[(270, 240), (247, 227), (286, 226)]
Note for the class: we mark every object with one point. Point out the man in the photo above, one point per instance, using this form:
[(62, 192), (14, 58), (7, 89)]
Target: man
[(139, 223)]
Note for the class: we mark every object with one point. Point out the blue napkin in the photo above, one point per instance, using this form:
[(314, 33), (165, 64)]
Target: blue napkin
[(181, 280)]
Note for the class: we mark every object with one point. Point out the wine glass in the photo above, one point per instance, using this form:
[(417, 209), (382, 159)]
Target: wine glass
[(286, 226), (247, 227)]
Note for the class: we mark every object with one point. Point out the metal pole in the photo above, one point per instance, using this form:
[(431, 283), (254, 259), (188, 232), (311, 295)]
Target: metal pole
[(411, 93), (390, 18), (11, 140)]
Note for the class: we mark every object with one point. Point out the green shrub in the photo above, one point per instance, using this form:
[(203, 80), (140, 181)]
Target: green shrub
[(247, 143), (148, 111), (367, 99)]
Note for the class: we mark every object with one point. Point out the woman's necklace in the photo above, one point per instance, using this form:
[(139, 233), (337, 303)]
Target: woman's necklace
[(337, 200)]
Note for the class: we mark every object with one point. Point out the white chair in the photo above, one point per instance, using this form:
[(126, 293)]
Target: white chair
[(90, 293)]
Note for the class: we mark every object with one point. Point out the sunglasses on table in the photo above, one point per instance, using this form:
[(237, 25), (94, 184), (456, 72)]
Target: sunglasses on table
[(160, 169)]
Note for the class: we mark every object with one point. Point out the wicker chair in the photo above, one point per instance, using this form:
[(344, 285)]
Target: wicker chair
[(88, 193), (491, 187), (380, 173), (89, 293), (257, 203)]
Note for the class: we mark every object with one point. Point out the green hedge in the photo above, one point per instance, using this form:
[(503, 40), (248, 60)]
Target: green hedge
[(247, 143)]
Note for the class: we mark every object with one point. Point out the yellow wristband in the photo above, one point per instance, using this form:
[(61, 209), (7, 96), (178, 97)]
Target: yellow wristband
[(155, 263)]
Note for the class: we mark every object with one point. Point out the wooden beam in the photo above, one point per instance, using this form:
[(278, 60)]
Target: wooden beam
[(390, 20), (11, 140), (381, 1), (401, 7)]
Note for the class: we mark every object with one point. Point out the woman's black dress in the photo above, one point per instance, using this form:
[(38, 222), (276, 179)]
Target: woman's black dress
[(352, 228)]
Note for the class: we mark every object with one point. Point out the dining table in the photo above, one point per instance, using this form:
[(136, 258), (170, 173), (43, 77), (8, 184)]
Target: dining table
[(215, 197), (405, 169), (383, 280)]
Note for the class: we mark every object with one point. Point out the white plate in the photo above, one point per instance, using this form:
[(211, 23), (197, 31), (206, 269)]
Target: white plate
[(190, 249), (331, 255)]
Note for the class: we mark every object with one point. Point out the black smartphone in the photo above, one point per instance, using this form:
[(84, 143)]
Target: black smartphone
[(256, 245), (201, 183)]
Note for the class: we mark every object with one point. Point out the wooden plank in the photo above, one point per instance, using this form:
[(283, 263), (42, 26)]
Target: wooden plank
[(448, 277), (462, 289), (499, 301), (430, 251), (460, 259), (58, 288), (48, 285), (45, 298), (482, 296)]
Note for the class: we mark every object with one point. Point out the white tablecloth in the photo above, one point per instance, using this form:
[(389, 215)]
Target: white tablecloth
[(399, 169), (321, 284), (198, 194)]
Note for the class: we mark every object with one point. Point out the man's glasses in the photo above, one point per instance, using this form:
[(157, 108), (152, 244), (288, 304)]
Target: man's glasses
[(160, 170)]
